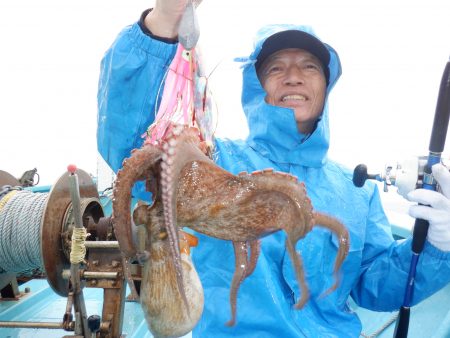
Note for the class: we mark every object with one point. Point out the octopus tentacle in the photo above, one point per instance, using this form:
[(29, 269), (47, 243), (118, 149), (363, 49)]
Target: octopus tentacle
[(244, 267), (241, 259), (181, 147), (139, 166), (255, 248), (341, 232), (299, 273)]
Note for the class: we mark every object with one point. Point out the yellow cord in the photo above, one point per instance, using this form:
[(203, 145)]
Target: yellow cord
[(78, 250), (7, 197)]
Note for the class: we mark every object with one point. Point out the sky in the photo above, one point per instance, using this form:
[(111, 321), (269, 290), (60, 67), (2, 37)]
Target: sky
[(381, 110)]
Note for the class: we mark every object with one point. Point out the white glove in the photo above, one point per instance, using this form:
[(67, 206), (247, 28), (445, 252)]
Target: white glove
[(436, 209)]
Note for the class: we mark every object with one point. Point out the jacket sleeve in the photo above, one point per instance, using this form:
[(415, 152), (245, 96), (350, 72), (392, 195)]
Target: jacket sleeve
[(385, 266), (131, 75)]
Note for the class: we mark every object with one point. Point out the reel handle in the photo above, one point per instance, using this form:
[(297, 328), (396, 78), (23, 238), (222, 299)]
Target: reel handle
[(360, 175)]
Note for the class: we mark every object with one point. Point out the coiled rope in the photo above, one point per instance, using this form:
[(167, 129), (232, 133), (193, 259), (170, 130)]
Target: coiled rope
[(78, 249), (21, 214), (7, 197)]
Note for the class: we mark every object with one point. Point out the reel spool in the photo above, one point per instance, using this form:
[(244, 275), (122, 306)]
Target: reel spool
[(57, 226)]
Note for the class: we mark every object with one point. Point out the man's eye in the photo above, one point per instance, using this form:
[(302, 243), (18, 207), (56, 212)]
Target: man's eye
[(273, 69), (314, 67)]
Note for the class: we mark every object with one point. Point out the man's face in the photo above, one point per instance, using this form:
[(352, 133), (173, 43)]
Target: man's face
[(293, 78)]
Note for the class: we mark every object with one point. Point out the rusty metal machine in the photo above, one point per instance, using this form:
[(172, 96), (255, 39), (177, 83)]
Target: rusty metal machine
[(76, 248)]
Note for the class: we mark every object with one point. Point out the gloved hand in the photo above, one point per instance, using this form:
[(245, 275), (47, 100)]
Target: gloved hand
[(436, 209)]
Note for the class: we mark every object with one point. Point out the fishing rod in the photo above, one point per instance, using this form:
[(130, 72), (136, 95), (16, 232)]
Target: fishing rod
[(423, 179), (437, 143)]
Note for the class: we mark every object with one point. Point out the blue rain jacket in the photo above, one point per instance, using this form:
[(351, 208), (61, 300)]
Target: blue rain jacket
[(376, 269)]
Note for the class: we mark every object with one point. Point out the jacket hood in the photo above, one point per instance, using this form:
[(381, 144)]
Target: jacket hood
[(273, 130)]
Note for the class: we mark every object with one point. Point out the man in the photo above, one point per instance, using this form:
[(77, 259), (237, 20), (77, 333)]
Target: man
[(286, 81)]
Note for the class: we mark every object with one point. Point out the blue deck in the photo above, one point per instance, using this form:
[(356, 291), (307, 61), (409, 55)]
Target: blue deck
[(429, 319)]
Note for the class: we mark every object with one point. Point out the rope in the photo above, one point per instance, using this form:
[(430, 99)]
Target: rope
[(78, 250), (381, 329), (7, 197), (20, 221)]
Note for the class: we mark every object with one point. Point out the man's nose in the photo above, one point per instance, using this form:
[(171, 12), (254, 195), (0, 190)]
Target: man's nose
[(294, 76)]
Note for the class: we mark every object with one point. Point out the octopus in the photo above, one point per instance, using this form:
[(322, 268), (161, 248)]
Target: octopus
[(190, 190), (166, 317)]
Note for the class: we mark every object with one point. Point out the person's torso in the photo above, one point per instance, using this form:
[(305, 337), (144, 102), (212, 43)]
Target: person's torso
[(266, 297)]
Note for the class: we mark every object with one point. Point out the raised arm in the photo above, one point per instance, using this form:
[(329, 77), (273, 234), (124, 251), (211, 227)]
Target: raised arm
[(131, 77)]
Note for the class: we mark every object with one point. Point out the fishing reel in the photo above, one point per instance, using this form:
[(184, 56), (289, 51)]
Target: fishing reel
[(406, 175)]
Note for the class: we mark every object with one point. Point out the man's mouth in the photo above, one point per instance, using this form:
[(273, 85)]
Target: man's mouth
[(293, 98)]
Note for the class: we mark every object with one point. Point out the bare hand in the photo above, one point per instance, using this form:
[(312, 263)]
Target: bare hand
[(164, 19)]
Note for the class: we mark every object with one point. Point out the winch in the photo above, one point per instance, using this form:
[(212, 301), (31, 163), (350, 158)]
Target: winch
[(63, 235)]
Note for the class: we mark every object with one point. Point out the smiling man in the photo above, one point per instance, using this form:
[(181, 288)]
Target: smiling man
[(293, 69), (286, 82)]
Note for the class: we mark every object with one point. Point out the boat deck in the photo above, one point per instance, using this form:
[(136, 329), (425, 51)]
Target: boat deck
[(430, 319)]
